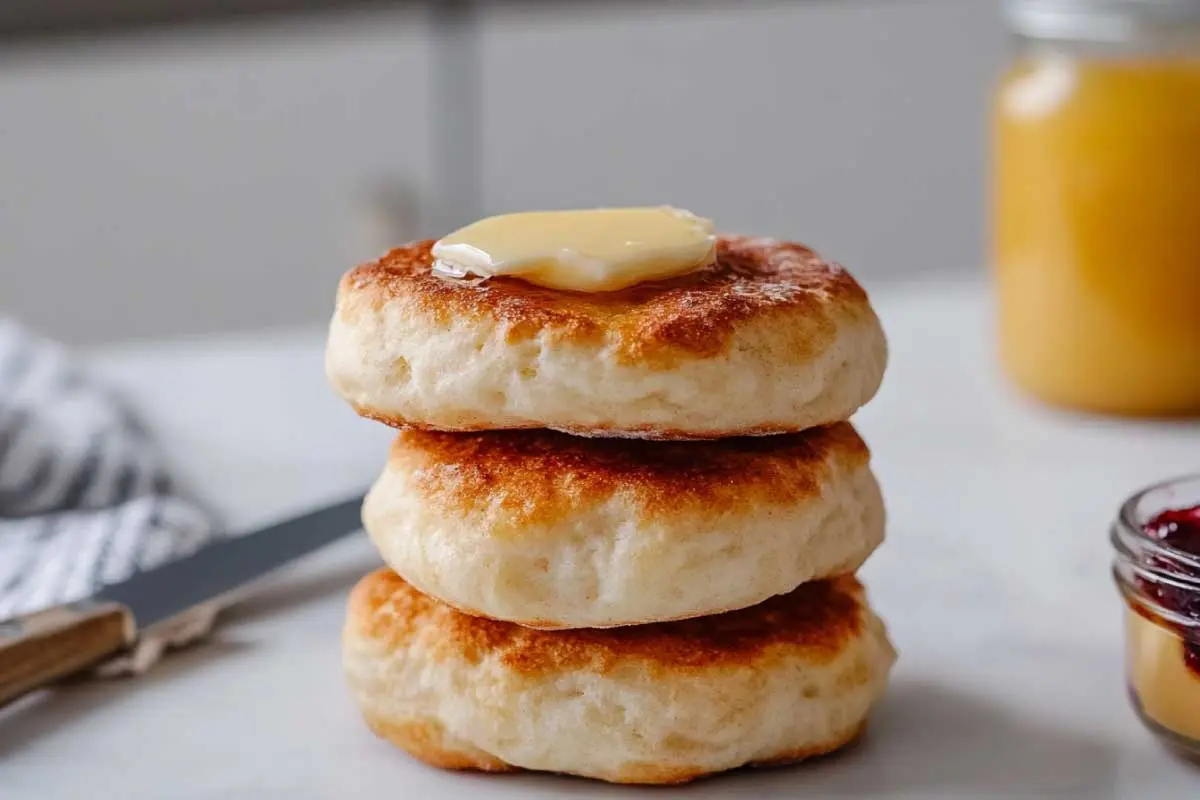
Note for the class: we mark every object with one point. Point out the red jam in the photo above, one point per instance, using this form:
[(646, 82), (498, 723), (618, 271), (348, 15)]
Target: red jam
[(1179, 529)]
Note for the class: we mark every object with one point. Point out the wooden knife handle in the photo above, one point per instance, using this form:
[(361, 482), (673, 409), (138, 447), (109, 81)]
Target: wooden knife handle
[(41, 648)]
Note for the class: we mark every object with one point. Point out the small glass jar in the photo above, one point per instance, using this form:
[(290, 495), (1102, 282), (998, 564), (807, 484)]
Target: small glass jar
[(1157, 569), (1096, 205)]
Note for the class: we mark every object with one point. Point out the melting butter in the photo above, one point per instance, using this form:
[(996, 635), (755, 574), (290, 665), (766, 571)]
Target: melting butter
[(593, 250)]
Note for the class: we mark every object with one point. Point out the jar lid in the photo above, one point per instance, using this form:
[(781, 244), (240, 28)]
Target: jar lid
[(1099, 20)]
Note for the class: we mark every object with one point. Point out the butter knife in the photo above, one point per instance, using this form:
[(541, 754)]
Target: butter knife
[(46, 646)]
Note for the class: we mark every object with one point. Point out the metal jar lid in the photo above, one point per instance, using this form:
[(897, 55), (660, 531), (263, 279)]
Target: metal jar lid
[(1099, 20)]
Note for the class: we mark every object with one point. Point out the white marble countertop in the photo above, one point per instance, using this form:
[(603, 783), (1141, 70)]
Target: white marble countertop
[(994, 581)]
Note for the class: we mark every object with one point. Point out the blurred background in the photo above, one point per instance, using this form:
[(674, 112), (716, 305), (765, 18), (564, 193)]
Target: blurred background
[(172, 168)]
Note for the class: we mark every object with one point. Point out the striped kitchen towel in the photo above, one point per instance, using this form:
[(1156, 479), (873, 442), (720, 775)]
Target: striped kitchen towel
[(85, 497)]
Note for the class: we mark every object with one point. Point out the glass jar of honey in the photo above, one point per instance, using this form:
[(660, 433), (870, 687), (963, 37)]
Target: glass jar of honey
[(1096, 205)]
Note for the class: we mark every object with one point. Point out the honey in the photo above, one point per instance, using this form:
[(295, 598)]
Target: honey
[(1097, 230)]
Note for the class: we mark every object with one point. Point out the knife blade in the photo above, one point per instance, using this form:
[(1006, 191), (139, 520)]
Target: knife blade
[(40, 648), (227, 565)]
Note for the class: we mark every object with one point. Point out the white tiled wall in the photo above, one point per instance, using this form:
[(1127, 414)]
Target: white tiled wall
[(170, 185)]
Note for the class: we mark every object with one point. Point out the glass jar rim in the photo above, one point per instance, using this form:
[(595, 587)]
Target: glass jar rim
[(1142, 556), (1098, 20)]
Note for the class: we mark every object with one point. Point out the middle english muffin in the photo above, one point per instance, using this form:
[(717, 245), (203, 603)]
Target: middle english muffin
[(555, 531), (768, 338)]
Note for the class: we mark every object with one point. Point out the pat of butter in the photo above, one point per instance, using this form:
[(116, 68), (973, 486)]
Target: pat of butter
[(595, 250)]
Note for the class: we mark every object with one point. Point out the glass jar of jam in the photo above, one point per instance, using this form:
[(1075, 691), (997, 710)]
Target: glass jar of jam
[(1157, 569), (1096, 205)]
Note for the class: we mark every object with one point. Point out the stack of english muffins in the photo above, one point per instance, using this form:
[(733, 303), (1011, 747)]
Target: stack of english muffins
[(621, 528)]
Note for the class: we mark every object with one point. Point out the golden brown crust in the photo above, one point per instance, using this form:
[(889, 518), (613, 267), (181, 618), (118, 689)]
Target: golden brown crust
[(540, 476), (818, 620), (654, 774), (424, 741), (555, 625), (651, 324)]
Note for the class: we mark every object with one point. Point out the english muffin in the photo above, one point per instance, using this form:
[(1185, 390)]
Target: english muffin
[(558, 531), (791, 678), (768, 339)]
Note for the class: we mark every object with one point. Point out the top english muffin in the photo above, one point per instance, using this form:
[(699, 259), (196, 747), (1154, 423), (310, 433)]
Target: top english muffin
[(768, 338)]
